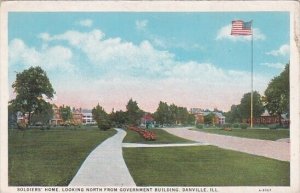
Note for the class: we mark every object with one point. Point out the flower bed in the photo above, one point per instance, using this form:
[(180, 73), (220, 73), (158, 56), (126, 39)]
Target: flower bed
[(147, 135)]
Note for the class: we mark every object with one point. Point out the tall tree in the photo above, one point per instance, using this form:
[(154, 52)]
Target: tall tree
[(119, 118), (44, 114), (162, 113), (31, 86), (209, 119), (65, 112), (245, 106), (277, 94), (173, 113), (234, 115), (134, 113), (101, 117)]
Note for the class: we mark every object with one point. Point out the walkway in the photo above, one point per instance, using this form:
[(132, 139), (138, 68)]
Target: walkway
[(272, 149), (162, 145), (105, 165)]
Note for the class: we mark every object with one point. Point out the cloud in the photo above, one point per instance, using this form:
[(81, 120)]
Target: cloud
[(166, 43), (141, 24), (47, 57), (274, 65), (123, 69), (86, 23), (225, 33), (284, 50), (115, 53)]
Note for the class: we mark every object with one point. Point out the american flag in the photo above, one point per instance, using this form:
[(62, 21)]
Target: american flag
[(240, 27)]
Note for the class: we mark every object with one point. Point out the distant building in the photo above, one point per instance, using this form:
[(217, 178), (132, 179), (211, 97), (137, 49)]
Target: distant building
[(196, 110), (267, 119), (77, 116), (22, 118), (147, 120), (219, 118), (87, 119), (56, 120)]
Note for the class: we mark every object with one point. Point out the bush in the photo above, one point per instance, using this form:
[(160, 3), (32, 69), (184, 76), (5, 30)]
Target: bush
[(236, 125), (200, 126), (226, 125), (273, 126), (22, 126), (244, 125), (104, 125)]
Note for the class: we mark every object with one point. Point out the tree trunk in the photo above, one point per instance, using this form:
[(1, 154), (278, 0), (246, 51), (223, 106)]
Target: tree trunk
[(280, 122), (29, 120)]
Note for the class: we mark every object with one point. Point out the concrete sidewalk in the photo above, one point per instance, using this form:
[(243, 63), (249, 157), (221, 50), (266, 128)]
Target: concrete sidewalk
[(162, 145), (271, 149), (105, 165)]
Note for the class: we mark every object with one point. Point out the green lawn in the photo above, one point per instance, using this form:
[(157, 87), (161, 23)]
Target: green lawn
[(163, 137), (50, 157), (268, 134), (203, 166)]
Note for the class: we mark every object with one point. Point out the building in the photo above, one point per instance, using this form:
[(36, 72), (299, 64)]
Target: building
[(76, 116), (56, 120), (196, 110), (87, 119), (267, 119), (218, 119), (147, 120)]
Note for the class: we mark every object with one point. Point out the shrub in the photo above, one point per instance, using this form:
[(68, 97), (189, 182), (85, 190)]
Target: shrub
[(236, 125), (226, 125), (273, 126), (227, 129), (244, 125), (104, 125), (200, 126), (22, 126)]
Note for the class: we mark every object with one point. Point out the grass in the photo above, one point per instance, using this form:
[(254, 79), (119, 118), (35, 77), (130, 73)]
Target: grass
[(163, 137), (203, 166), (267, 134), (50, 157)]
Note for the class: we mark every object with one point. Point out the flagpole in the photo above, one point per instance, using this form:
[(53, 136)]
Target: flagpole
[(251, 121)]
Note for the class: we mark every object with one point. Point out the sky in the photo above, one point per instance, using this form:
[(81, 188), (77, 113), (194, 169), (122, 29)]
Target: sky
[(186, 58)]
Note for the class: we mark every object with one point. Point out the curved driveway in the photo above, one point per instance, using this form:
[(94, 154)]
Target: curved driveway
[(271, 149), (105, 165)]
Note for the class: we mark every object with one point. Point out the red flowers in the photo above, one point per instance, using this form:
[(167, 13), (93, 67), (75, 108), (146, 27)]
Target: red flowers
[(147, 135)]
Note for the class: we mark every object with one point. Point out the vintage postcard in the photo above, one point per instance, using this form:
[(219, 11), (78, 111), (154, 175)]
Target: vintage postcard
[(150, 96)]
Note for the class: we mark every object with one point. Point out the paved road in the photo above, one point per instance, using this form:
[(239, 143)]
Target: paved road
[(272, 149), (105, 165)]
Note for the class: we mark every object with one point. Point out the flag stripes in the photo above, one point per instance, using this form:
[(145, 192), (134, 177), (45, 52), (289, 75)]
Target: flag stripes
[(240, 27)]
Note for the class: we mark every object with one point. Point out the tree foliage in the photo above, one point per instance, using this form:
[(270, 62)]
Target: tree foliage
[(172, 114), (101, 117), (119, 118), (234, 115), (134, 113), (31, 86), (44, 115), (277, 94), (65, 112), (209, 119), (162, 114), (243, 110), (245, 105)]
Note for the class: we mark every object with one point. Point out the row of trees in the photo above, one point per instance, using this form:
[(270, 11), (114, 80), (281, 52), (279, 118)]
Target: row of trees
[(131, 116), (275, 100), (165, 114), (172, 114)]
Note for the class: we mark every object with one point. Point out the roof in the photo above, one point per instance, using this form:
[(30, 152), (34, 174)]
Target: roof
[(148, 117)]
